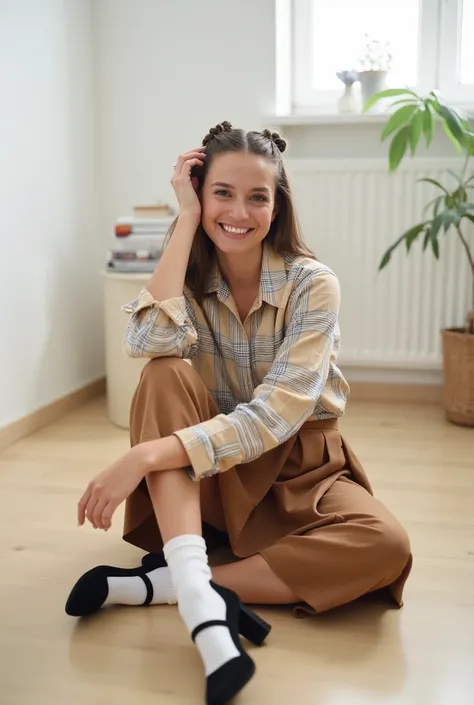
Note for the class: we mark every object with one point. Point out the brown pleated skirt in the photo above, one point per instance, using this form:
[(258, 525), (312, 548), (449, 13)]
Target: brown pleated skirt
[(306, 506)]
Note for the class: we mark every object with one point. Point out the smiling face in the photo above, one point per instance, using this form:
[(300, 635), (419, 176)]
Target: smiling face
[(238, 201)]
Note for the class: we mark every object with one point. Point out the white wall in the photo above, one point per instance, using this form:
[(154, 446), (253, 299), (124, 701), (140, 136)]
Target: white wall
[(50, 249), (168, 70)]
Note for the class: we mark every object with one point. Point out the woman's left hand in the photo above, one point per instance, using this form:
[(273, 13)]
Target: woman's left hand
[(112, 486)]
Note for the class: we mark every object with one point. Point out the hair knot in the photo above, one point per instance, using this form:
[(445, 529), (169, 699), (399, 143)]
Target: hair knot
[(276, 138), (224, 126)]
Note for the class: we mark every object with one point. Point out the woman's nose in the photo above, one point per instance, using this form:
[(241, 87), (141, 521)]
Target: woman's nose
[(239, 211)]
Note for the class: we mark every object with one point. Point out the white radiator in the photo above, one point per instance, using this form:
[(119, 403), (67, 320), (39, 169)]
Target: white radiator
[(350, 212)]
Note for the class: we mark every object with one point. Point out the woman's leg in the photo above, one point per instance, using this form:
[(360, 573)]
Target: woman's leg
[(254, 582), (210, 614), (175, 499), (251, 578), (364, 550)]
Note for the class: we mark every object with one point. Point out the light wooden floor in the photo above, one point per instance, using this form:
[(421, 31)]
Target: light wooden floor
[(362, 654)]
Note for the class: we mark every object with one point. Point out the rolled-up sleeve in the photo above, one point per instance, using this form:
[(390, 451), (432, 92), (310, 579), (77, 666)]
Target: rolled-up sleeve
[(289, 392), (160, 328)]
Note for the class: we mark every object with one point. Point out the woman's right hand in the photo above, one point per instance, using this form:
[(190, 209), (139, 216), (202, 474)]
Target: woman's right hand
[(184, 188)]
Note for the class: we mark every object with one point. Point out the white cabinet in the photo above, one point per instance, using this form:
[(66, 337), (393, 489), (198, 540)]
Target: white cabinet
[(122, 372)]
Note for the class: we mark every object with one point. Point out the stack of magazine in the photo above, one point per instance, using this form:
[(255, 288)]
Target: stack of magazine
[(138, 240)]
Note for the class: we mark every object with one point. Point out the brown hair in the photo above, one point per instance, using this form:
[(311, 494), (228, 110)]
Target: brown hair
[(284, 234)]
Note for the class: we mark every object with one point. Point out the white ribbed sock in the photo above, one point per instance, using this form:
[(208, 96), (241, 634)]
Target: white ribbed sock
[(131, 590), (198, 602)]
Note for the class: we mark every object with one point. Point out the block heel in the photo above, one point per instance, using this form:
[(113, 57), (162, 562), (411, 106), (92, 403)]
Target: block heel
[(252, 627)]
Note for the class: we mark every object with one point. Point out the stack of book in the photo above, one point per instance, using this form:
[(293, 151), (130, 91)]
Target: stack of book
[(139, 239)]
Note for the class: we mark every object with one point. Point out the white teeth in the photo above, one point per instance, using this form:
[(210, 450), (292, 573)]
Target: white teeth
[(237, 231)]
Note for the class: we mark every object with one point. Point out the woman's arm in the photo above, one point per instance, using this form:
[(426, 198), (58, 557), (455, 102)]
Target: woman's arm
[(160, 328), (167, 281), (162, 320), (112, 486)]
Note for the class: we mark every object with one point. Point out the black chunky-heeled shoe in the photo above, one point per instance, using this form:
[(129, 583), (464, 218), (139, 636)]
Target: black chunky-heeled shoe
[(91, 590), (251, 626), (224, 684)]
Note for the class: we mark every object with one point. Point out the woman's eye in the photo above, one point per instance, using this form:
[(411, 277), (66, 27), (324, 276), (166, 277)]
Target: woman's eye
[(256, 197)]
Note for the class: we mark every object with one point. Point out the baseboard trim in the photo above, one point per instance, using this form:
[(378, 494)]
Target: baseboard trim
[(50, 412), (360, 391), (397, 393)]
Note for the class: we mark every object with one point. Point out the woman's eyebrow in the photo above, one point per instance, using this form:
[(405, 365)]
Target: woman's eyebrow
[(264, 189)]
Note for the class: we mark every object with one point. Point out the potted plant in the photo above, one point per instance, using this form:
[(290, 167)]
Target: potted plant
[(376, 62), (450, 212)]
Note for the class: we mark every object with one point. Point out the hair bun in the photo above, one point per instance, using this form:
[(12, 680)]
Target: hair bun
[(276, 138), (224, 126), (279, 141)]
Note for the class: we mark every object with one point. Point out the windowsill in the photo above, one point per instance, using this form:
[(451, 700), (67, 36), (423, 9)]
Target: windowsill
[(325, 118), (329, 119)]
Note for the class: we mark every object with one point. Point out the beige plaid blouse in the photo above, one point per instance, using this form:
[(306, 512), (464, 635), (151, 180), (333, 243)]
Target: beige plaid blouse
[(267, 375)]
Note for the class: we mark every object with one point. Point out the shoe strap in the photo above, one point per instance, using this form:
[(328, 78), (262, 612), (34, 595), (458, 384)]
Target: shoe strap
[(149, 589), (205, 625)]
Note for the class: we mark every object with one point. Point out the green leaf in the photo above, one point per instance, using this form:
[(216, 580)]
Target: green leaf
[(449, 218), (452, 125), (469, 216), (470, 145), (435, 183), (460, 195), (400, 117), (415, 130), (426, 239), (398, 147), (407, 101), (449, 202), (386, 257), (436, 201), (469, 135), (428, 125), (434, 231), (389, 93), (453, 139), (435, 226), (411, 235)]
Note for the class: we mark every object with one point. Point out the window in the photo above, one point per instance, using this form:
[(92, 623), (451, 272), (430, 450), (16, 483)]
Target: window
[(341, 47), (430, 41), (467, 50)]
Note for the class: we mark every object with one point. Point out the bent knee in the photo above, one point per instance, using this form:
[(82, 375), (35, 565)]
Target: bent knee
[(165, 370), (390, 546)]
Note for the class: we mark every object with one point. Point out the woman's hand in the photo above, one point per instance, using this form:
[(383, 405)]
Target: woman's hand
[(112, 486), (184, 188)]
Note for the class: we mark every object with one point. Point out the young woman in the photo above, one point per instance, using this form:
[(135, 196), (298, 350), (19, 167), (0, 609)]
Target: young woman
[(243, 444)]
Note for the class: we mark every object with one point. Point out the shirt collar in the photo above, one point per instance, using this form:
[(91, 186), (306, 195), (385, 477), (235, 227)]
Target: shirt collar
[(273, 279)]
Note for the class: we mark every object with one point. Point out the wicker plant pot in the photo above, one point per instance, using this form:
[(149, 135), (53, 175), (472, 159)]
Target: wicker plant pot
[(458, 393)]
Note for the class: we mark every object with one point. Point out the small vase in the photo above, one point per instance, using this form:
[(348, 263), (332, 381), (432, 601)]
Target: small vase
[(348, 102), (372, 82)]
